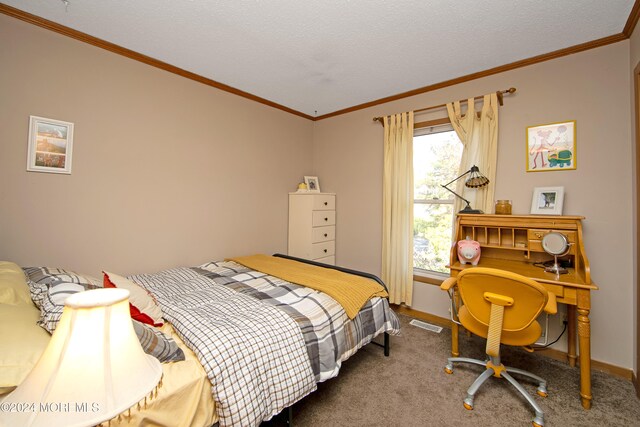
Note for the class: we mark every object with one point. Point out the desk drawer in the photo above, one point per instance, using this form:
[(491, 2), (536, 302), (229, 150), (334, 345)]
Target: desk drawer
[(534, 234), (556, 289), (535, 239)]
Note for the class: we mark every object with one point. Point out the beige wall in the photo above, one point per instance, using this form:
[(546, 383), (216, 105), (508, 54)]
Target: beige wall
[(166, 171), (591, 87)]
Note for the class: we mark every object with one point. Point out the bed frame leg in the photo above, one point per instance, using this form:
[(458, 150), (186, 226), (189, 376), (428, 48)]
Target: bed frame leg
[(386, 344), (290, 418)]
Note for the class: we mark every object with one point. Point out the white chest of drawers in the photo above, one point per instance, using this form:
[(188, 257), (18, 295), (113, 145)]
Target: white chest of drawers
[(312, 226)]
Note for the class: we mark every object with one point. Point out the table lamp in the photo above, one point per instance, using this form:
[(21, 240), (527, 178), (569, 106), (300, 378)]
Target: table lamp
[(93, 369), (475, 180)]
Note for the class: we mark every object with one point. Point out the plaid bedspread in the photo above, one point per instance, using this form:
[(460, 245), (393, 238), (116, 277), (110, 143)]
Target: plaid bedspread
[(237, 320), (253, 353), (330, 336)]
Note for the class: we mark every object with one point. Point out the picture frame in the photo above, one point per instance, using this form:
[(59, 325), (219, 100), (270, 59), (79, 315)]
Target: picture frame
[(547, 201), (551, 147), (313, 184), (50, 145)]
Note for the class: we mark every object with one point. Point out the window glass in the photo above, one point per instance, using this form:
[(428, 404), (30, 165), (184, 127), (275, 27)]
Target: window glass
[(436, 158)]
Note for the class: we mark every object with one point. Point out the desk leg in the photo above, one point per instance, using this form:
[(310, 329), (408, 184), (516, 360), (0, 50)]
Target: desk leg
[(571, 335), (455, 351), (584, 337)]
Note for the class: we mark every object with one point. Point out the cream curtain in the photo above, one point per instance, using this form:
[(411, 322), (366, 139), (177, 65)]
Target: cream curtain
[(397, 202), (479, 136)]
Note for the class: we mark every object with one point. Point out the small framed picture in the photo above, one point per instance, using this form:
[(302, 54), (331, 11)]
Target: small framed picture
[(551, 147), (313, 184), (50, 145), (547, 200)]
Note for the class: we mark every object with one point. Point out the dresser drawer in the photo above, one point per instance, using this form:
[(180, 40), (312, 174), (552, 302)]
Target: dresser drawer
[(322, 218), (331, 260), (324, 203), (323, 234), (324, 249)]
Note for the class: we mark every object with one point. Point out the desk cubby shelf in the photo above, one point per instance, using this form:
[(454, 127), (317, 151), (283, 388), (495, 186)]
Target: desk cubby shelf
[(497, 237)]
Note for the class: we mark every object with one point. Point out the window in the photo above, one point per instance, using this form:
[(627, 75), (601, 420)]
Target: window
[(436, 158)]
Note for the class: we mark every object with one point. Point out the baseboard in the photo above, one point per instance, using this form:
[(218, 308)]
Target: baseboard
[(596, 365), (421, 315), (552, 353)]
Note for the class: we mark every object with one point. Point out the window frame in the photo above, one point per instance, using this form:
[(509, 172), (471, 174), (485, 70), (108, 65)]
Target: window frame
[(420, 275)]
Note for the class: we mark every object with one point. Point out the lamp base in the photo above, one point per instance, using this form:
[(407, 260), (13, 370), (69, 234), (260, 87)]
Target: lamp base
[(468, 210), (556, 269)]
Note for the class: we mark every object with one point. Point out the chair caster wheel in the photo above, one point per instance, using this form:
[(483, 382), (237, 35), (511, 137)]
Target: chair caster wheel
[(538, 420), (542, 393), (448, 370), (468, 407)]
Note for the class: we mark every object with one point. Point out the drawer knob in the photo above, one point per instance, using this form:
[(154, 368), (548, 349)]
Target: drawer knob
[(538, 235), (325, 234), (325, 251), (326, 203), (326, 219)]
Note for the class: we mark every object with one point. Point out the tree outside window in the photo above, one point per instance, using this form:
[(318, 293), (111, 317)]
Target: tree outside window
[(436, 159)]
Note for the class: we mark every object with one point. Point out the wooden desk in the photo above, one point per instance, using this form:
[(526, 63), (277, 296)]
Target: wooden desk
[(513, 243)]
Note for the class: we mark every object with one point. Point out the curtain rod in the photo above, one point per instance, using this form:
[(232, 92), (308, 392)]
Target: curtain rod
[(500, 94)]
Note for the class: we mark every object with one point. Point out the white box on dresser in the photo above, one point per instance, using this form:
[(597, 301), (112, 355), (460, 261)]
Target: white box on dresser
[(312, 226)]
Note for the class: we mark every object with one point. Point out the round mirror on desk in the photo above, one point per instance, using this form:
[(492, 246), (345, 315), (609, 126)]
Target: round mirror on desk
[(555, 244)]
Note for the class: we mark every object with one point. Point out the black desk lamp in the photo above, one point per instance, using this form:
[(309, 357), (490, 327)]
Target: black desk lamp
[(475, 180)]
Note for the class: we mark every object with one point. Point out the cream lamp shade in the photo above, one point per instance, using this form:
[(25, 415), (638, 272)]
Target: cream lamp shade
[(92, 370)]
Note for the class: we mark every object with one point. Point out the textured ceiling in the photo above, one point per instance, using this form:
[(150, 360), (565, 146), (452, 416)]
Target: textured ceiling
[(317, 57)]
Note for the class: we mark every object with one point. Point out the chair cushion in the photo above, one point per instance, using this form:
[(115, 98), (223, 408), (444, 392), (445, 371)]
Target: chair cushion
[(527, 336)]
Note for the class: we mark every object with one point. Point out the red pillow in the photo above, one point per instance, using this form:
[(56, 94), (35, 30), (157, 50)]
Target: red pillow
[(141, 304)]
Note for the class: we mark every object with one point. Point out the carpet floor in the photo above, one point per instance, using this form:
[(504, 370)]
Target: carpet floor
[(410, 388)]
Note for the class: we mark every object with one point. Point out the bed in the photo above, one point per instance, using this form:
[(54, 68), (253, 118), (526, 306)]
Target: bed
[(255, 343)]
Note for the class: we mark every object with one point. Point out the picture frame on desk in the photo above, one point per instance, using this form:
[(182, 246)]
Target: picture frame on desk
[(547, 201)]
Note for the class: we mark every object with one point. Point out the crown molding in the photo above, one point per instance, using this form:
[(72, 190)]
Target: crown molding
[(114, 48), (496, 70), (632, 21)]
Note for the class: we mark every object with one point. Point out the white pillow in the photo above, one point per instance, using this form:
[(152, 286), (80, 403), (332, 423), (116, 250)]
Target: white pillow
[(143, 306)]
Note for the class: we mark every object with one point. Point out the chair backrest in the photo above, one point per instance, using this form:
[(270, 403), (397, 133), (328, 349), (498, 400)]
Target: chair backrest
[(529, 297)]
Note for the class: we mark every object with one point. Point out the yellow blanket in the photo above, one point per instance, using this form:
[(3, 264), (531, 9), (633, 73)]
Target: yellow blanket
[(350, 291)]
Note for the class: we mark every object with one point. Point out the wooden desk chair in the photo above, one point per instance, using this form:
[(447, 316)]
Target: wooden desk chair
[(502, 307)]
